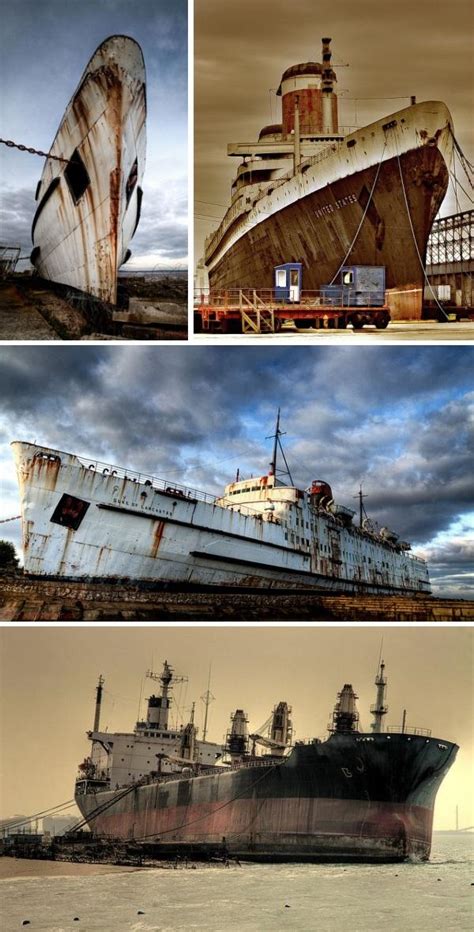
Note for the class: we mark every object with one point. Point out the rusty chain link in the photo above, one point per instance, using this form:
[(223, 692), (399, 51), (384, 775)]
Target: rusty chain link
[(16, 145), (5, 520)]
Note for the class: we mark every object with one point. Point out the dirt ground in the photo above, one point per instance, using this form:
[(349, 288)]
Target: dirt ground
[(33, 309), (11, 868)]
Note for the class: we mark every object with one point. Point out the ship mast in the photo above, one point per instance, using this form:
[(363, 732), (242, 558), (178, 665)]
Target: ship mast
[(158, 706), (207, 698), (277, 444), (98, 703), (380, 708), (362, 512)]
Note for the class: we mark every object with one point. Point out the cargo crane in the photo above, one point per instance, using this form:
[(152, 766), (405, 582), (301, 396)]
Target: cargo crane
[(281, 731)]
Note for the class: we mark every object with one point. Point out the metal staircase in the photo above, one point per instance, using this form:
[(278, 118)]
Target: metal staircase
[(256, 316)]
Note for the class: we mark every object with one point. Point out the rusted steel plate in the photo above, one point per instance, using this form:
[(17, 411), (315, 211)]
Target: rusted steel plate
[(87, 214), (313, 216)]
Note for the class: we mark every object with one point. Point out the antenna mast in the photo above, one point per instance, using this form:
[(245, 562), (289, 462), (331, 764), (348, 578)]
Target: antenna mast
[(360, 495), (207, 698), (277, 444), (98, 702)]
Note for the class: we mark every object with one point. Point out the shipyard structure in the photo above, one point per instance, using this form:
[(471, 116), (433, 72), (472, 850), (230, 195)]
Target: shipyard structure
[(90, 192), (353, 795), (92, 521), (306, 193)]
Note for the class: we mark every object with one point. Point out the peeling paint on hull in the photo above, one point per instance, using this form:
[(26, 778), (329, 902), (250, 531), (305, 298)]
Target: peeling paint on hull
[(300, 221), (81, 241), (354, 797), (137, 528)]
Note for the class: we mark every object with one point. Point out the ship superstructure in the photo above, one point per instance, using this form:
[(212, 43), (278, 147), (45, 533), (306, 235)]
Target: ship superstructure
[(306, 193), (90, 192), (354, 795), (154, 747), (83, 519)]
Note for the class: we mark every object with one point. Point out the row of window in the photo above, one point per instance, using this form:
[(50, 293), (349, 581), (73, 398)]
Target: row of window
[(250, 488), (78, 180), (158, 734)]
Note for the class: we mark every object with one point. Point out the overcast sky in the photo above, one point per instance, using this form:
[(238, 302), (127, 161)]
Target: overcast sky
[(393, 50), (49, 677), (398, 419), (45, 47)]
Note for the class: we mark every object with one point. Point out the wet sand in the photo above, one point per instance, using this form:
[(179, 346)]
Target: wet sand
[(18, 868)]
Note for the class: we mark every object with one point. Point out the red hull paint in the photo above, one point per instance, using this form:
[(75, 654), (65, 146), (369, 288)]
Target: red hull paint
[(299, 827)]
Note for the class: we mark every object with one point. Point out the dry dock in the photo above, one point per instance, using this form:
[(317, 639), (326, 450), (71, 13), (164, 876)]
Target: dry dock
[(24, 599)]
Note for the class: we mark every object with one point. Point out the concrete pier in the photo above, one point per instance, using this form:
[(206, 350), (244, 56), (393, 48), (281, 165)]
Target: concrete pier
[(26, 599)]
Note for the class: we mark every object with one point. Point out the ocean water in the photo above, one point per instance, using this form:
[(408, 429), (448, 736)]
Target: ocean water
[(429, 897)]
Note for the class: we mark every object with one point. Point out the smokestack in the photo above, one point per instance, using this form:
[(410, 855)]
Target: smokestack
[(297, 138), (98, 703), (327, 87)]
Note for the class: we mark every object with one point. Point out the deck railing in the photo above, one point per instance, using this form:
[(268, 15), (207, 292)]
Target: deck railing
[(187, 493), (169, 487), (232, 297)]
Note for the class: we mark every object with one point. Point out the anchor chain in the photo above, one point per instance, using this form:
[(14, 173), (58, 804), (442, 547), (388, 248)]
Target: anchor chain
[(17, 145)]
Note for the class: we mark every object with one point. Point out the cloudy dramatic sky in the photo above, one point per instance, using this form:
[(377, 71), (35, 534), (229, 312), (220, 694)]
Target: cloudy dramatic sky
[(45, 47), (252, 668), (397, 419), (392, 49)]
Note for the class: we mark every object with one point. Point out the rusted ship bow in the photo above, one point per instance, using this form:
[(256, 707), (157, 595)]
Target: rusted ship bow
[(90, 193)]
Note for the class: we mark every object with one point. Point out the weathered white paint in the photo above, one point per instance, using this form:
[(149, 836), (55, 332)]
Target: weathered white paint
[(268, 536), (84, 244)]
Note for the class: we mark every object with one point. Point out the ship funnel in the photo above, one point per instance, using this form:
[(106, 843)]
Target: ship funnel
[(345, 717), (380, 708), (237, 739), (307, 90), (327, 88), (98, 703), (188, 738), (281, 728)]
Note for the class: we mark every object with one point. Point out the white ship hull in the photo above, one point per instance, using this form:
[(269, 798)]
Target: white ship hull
[(85, 520), (81, 230)]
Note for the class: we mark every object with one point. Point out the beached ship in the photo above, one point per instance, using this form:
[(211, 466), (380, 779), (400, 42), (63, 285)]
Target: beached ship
[(306, 193), (358, 796), (88, 520), (90, 192)]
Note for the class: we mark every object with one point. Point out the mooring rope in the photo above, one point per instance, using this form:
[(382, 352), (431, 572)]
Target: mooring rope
[(441, 308), (177, 828), (53, 810), (363, 215)]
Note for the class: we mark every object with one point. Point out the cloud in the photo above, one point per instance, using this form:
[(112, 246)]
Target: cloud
[(17, 209), (45, 50), (163, 231)]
